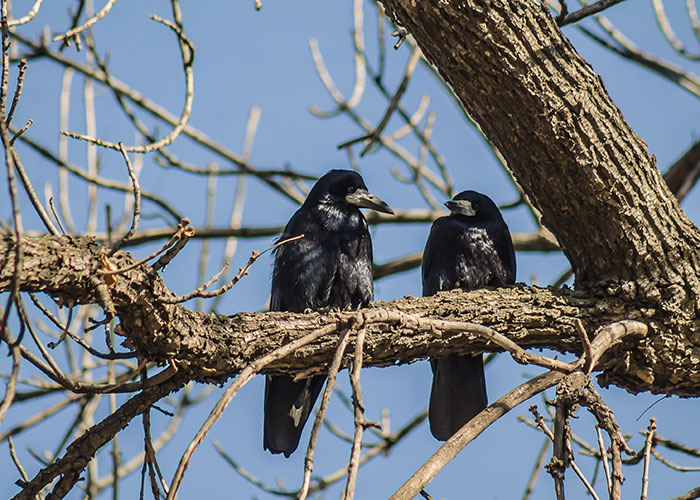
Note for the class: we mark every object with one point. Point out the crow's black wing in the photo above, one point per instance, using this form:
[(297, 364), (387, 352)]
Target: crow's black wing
[(503, 243)]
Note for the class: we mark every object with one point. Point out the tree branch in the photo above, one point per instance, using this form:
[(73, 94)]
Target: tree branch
[(214, 347)]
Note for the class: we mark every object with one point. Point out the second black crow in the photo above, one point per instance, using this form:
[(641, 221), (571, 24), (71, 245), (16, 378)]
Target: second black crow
[(468, 249)]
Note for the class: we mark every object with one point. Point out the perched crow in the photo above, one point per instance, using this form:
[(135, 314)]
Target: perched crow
[(468, 249), (331, 266)]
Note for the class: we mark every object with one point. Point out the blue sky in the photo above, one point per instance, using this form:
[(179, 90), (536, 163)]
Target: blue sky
[(246, 58)]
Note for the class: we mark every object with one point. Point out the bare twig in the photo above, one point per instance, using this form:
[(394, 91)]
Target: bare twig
[(647, 451), (628, 50), (666, 29), (72, 463), (605, 338), (587, 354), (30, 15), (137, 203), (199, 292), (691, 495), (321, 413), (183, 228), (375, 135), (165, 259), (73, 32), (318, 484), (674, 445), (92, 178), (604, 457), (359, 410), (586, 11), (11, 384), (52, 206), (671, 465), (18, 92), (29, 190), (568, 461)]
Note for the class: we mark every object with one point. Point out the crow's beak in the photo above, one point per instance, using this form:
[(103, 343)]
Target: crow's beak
[(461, 207), (364, 199)]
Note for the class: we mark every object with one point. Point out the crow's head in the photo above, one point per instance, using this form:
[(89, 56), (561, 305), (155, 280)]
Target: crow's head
[(473, 206), (344, 188)]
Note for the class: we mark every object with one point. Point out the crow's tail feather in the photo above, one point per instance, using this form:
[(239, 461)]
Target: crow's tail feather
[(287, 407), (458, 393)]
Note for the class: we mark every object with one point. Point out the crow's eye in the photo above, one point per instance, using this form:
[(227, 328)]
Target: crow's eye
[(351, 189), (475, 206)]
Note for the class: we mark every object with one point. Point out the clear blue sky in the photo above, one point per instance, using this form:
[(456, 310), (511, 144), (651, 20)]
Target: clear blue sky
[(246, 58)]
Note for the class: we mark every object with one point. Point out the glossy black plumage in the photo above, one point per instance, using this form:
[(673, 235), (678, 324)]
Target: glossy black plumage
[(470, 248), (331, 266)]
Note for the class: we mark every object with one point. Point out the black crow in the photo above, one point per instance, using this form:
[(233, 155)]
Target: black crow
[(468, 249), (331, 266)]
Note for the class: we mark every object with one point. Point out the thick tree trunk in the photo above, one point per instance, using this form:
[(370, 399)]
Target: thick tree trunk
[(565, 141)]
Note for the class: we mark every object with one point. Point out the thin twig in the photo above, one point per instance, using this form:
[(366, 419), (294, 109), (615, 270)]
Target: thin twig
[(21, 131), (359, 45), (161, 113), (183, 228), (383, 449), (137, 203), (375, 135), (30, 15), (11, 384), (321, 413), (624, 47), (691, 495), (70, 466), (64, 111), (671, 465), (647, 450), (586, 11), (29, 190), (18, 92), (568, 461), (666, 29), (239, 199), (359, 410), (73, 32), (604, 457), (199, 292), (65, 167), (55, 215), (674, 445), (15, 460)]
